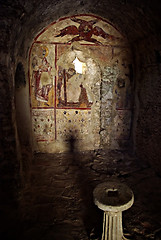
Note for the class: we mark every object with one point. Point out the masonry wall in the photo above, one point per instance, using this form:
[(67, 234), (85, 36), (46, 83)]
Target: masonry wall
[(147, 127), (9, 157), (8, 134), (19, 24)]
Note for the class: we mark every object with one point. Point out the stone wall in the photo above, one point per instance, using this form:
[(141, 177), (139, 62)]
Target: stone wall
[(21, 21), (9, 157), (117, 101), (8, 145), (147, 127)]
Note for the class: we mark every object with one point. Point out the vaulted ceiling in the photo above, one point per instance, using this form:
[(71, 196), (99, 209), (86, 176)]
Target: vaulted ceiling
[(24, 19)]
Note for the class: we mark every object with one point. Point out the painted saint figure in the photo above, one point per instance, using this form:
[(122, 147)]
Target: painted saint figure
[(83, 98), (42, 80)]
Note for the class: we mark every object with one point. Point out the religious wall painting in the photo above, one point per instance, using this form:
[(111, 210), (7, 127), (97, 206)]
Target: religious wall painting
[(70, 90), (85, 29), (76, 97), (71, 81), (42, 75)]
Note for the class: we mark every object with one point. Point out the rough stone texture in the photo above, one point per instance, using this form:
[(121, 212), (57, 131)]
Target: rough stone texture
[(116, 101), (148, 102), (138, 21), (22, 20), (57, 200)]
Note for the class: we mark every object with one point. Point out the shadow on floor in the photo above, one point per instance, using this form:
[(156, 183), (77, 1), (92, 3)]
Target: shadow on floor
[(57, 200)]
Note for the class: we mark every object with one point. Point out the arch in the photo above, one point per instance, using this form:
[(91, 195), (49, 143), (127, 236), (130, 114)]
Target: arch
[(91, 105)]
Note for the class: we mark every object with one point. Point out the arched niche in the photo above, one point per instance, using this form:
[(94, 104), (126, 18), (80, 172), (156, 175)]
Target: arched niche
[(80, 85), (22, 106)]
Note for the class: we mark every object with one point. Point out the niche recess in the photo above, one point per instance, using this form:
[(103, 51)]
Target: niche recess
[(22, 106), (80, 85)]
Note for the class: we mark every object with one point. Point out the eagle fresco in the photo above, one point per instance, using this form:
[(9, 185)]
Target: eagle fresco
[(85, 31)]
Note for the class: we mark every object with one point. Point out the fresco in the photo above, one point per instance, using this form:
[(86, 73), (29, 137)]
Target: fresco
[(43, 124), (42, 75), (85, 31), (76, 123), (79, 84), (82, 28), (71, 86)]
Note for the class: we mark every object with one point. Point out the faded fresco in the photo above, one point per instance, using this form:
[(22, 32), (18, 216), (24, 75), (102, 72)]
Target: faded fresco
[(43, 125), (76, 123), (80, 85), (72, 89), (42, 75), (84, 28), (85, 31)]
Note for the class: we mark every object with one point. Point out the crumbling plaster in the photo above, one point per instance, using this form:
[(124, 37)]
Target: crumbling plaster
[(21, 21)]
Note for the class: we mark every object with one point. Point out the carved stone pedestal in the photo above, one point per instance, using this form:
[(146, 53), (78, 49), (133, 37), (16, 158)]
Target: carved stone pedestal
[(113, 198)]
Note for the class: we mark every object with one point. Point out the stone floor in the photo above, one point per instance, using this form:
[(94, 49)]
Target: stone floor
[(56, 202)]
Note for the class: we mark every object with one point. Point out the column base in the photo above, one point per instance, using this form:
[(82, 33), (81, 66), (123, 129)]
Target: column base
[(112, 226)]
